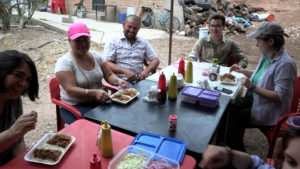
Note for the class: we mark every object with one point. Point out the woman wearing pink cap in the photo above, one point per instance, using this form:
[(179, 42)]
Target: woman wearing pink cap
[(80, 73)]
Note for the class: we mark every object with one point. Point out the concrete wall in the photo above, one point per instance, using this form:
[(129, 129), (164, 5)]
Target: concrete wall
[(122, 6)]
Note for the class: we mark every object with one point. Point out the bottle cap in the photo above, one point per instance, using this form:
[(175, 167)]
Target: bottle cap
[(105, 125)]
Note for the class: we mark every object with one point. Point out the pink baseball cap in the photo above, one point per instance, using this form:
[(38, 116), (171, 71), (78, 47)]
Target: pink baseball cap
[(78, 29)]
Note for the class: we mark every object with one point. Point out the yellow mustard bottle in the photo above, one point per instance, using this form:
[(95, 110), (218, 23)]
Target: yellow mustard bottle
[(172, 92), (189, 72), (106, 141)]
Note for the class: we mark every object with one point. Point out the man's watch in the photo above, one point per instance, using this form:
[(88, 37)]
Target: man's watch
[(251, 87)]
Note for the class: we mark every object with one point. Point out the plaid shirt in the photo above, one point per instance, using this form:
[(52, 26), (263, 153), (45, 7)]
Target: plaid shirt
[(280, 76), (128, 56), (205, 48)]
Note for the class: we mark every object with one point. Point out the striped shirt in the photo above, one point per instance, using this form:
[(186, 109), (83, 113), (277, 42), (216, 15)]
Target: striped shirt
[(205, 48), (128, 56), (279, 76)]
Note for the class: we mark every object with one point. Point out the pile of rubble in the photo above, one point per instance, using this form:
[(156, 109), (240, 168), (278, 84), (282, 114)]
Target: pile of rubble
[(238, 15)]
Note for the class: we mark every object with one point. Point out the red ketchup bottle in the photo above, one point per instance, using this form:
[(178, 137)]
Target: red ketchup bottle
[(181, 67), (162, 95), (95, 162)]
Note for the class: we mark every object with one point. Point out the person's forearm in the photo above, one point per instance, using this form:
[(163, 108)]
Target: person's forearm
[(201, 59), (6, 139), (247, 73), (152, 65), (113, 80), (268, 94), (116, 69), (241, 160), (20, 148)]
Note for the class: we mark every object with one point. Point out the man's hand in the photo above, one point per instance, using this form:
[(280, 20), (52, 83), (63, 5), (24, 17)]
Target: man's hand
[(143, 75), (235, 68), (214, 157), (130, 75), (23, 124)]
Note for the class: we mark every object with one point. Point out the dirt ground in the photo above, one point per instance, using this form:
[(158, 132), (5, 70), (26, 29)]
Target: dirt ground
[(287, 13)]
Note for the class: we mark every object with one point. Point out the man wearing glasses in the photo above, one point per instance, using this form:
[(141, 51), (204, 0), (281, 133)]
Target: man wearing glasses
[(217, 46)]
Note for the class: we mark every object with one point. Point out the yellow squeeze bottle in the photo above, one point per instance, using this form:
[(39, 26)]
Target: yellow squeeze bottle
[(189, 72), (106, 141), (172, 92)]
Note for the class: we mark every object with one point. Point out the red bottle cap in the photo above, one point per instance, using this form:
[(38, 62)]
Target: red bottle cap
[(181, 67), (95, 162)]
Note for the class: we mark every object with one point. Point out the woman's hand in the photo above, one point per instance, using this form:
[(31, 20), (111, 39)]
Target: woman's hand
[(246, 82), (23, 124), (123, 84), (101, 96), (214, 157)]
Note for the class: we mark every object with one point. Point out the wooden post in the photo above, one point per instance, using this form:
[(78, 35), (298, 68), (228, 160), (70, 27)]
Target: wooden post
[(171, 32)]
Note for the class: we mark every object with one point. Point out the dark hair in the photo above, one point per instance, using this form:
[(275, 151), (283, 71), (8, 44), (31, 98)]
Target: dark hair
[(134, 17), (290, 134), (9, 60), (278, 40), (216, 17)]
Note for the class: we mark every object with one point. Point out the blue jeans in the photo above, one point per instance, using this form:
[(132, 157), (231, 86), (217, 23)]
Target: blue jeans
[(69, 118)]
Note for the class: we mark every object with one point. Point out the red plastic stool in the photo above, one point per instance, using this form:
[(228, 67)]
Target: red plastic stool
[(58, 4)]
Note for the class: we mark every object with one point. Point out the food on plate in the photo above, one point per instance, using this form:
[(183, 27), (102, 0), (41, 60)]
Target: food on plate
[(130, 92), (46, 154), (132, 160), (121, 97), (227, 77), (60, 139)]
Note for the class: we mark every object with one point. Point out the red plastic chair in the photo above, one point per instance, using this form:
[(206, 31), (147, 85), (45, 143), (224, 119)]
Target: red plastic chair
[(278, 131), (55, 98)]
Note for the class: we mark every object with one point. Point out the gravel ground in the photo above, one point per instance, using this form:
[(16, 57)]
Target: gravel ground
[(46, 56)]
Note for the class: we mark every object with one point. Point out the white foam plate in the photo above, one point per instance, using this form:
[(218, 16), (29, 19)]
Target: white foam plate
[(228, 83), (123, 102), (42, 142)]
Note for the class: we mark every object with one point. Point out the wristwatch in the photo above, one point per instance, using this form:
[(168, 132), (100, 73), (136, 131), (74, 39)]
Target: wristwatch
[(251, 87)]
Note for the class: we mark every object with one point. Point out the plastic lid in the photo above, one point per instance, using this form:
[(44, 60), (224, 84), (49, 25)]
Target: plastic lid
[(166, 146), (191, 91), (173, 117)]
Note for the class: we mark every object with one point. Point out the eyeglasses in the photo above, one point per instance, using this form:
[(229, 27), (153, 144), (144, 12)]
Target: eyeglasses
[(216, 26)]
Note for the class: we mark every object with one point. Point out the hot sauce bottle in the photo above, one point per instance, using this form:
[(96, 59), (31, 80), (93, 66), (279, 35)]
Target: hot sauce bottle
[(162, 95)]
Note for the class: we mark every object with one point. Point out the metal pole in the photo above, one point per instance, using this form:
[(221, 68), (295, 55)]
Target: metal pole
[(171, 32)]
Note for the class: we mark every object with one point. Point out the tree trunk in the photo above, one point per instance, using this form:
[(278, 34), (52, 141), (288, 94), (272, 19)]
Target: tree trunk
[(5, 13)]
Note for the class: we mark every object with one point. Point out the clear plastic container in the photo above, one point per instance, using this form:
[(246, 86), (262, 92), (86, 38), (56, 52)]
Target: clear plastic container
[(190, 93), (133, 157)]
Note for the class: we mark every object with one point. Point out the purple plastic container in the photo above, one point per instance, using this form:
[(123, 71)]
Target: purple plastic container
[(209, 98), (190, 93)]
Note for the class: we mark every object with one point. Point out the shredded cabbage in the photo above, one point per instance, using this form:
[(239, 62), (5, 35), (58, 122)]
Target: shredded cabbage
[(132, 161)]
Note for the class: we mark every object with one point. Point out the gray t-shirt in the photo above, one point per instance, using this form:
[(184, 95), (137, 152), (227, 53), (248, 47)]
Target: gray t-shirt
[(91, 80), (12, 111)]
